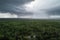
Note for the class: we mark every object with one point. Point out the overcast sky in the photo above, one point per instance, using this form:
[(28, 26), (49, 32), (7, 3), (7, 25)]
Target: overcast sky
[(38, 9)]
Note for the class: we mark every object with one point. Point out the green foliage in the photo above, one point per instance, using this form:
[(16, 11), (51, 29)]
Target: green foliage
[(30, 30)]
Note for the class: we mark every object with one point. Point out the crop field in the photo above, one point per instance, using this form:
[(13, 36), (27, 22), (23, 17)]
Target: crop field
[(29, 30)]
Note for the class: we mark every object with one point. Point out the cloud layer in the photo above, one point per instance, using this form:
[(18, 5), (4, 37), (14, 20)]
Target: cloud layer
[(13, 6), (42, 9)]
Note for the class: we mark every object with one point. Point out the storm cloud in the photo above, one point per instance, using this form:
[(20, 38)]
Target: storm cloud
[(30, 8), (54, 11), (13, 6)]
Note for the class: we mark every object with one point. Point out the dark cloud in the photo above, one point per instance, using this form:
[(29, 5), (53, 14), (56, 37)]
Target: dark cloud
[(13, 2), (11, 6), (54, 11)]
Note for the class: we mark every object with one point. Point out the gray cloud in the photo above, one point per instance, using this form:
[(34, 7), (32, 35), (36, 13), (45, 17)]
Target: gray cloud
[(37, 9), (54, 11), (14, 2), (11, 6)]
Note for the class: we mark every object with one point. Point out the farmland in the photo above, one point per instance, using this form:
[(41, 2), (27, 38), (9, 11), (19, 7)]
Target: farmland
[(29, 29)]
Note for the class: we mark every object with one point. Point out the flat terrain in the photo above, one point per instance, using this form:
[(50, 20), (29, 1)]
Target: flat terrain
[(26, 29)]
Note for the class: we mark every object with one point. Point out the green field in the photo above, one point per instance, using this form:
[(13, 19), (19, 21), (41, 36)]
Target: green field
[(30, 30)]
